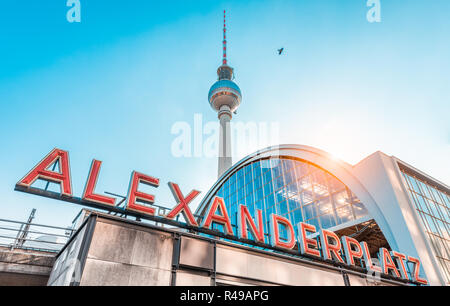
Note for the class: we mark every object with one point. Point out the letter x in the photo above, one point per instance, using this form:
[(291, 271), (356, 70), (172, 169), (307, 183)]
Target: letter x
[(183, 204)]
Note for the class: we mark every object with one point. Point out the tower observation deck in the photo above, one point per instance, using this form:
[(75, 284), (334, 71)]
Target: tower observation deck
[(225, 97)]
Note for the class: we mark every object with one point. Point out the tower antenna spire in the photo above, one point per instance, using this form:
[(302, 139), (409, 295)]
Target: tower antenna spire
[(224, 59)]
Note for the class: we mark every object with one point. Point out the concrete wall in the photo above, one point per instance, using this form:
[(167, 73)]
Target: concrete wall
[(117, 252), (22, 268), (122, 255), (250, 265)]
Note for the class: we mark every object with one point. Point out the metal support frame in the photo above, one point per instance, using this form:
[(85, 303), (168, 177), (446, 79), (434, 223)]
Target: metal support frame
[(23, 232), (175, 258), (346, 278), (214, 271)]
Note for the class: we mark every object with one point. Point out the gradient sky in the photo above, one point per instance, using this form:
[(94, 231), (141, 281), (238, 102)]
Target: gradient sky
[(112, 86)]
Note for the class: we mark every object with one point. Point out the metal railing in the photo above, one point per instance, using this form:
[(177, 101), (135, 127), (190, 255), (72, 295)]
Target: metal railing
[(32, 236)]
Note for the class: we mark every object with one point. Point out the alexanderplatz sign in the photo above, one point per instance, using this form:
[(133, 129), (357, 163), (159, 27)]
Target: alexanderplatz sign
[(327, 247)]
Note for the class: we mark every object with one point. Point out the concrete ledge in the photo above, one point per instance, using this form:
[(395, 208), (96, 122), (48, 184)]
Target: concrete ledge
[(14, 279), (17, 257), (25, 269)]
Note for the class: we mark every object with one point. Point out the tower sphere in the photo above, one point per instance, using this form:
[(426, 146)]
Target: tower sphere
[(225, 93)]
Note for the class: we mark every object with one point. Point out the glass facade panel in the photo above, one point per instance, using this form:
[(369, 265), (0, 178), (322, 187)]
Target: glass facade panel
[(434, 213), (344, 214), (297, 190)]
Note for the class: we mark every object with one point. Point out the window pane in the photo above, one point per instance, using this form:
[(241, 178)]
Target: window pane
[(309, 211), (327, 221), (324, 205), (344, 214), (360, 210)]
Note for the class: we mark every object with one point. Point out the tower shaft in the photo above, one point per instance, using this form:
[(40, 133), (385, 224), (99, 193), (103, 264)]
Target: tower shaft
[(225, 158)]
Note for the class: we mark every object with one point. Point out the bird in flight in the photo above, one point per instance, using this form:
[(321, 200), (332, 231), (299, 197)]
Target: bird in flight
[(280, 51)]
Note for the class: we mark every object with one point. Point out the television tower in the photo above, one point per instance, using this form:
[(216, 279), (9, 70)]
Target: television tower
[(225, 98)]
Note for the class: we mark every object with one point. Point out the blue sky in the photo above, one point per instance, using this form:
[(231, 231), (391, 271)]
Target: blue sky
[(112, 86)]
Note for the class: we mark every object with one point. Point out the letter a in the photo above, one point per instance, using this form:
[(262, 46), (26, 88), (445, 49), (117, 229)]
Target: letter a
[(74, 14), (374, 14), (40, 171)]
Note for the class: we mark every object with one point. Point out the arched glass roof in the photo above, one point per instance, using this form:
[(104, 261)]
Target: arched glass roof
[(295, 189)]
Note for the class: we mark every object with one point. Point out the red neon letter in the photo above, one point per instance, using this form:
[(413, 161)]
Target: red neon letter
[(350, 254), (330, 248), (387, 263), (415, 276), (40, 171), (367, 259), (223, 219), (399, 258), (134, 194), (89, 189), (183, 204), (275, 221), (306, 242), (244, 218)]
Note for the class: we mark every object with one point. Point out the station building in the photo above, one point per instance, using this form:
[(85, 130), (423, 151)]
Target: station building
[(380, 200)]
